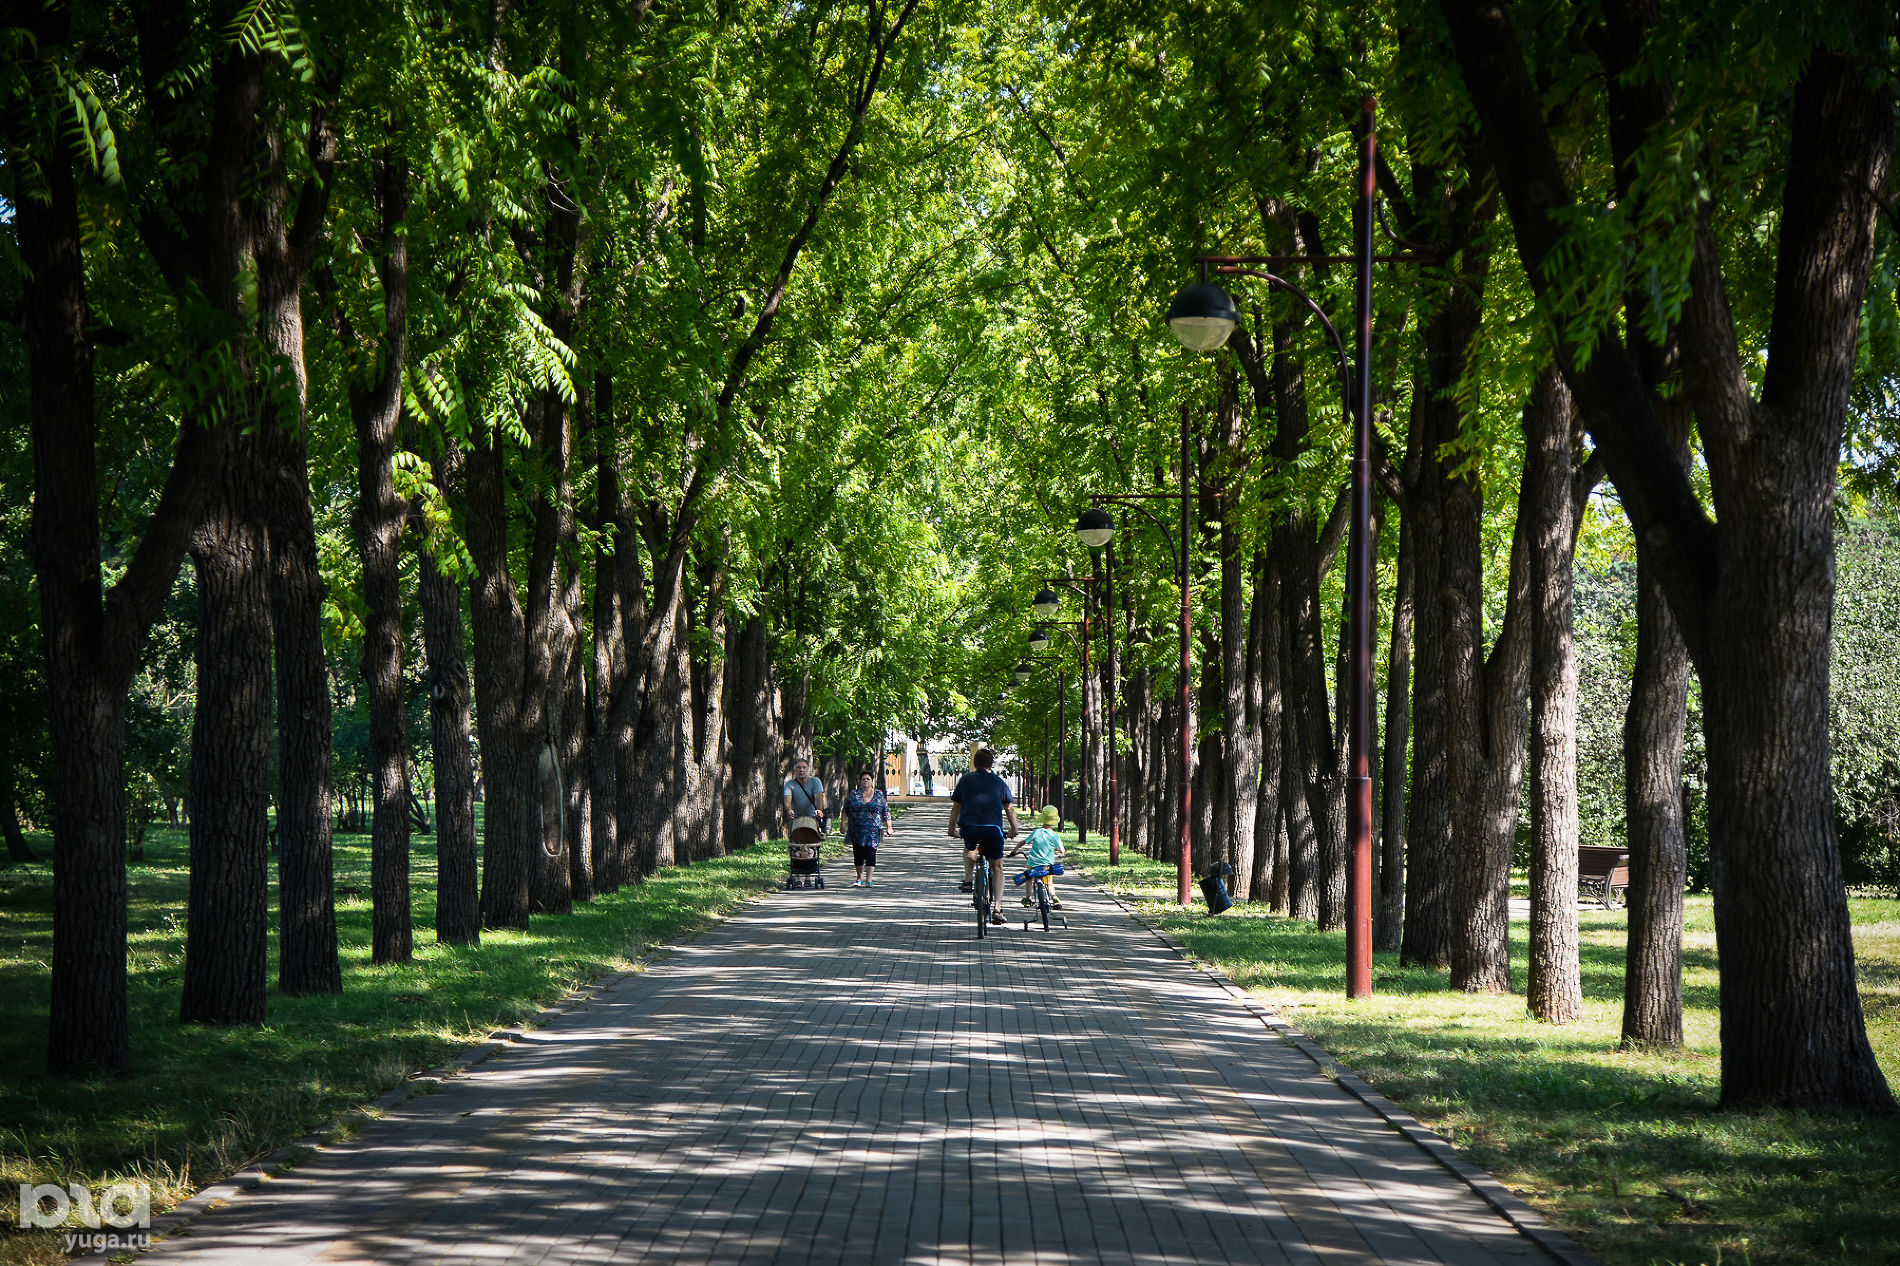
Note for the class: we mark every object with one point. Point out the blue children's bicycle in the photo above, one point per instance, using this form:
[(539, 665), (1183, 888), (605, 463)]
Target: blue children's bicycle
[(1034, 876)]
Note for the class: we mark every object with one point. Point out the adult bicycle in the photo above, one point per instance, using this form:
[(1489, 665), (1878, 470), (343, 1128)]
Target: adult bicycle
[(981, 881)]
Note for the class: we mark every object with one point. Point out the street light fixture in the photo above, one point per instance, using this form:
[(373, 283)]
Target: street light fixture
[(1202, 316), (1095, 529), (1198, 314), (1039, 638), (1046, 603), (1022, 672)]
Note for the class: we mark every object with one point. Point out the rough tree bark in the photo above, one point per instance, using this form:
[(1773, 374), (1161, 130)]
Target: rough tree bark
[(1654, 724), (1487, 698), (1555, 488), (1268, 880), (227, 914), (509, 801), (91, 641), (1463, 209), (577, 764), (1388, 908), (376, 411), (1653, 727), (458, 916)]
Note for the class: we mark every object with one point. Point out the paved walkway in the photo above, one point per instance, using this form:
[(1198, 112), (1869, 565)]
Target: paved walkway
[(849, 1076)]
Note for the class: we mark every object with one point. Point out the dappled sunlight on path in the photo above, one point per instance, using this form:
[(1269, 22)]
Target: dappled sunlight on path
[(849, 1075)]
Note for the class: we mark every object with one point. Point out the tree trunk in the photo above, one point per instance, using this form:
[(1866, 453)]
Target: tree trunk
[(1303, 855), (543, 679), (1489, 728), (1268, 882), (1652, 800), (510, 802), (1240, 773), (1554, 984), (307, 962), (85, 698), (1655, 720), (458, 915), (577, 764), (749, 682), (376, 410), (709, 716), (609, 666), (227, 912), (1388, 907), (18, 850)]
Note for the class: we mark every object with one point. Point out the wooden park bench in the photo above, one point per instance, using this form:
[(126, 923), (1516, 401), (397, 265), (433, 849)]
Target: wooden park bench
[(1602, 872)]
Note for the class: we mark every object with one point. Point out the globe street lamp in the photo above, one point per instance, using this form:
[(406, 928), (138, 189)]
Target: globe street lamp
[(1022, 672), (1096, 530), (1202, 316), (1039, 638), (1046, 603)]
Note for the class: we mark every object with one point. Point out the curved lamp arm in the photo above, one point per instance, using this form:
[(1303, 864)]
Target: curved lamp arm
[(1339, 344), (1134, 503)]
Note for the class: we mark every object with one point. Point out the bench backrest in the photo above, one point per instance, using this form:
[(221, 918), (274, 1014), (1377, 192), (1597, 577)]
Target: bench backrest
[(1596, 861)]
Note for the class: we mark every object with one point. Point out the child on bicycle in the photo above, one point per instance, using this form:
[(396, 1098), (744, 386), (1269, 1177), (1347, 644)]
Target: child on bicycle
[(1044, 848)]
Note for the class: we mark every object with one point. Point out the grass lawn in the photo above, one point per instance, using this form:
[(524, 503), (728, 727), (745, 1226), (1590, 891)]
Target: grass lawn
[(200, 1102), (1626, 1150)]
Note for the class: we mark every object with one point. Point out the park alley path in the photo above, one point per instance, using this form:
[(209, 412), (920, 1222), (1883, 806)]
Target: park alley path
[(850, 1076)]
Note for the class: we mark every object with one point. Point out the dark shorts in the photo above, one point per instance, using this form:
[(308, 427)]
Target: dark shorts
[(987, 839), (864, 854)]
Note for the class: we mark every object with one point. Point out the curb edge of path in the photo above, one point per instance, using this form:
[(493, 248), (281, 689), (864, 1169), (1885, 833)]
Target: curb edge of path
[(270, 1165), (1509, 1206)]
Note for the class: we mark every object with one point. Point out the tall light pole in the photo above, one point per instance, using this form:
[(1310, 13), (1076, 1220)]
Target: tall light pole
[(1184, 862), (1202, 316), (1044, 605), (1097, 531)]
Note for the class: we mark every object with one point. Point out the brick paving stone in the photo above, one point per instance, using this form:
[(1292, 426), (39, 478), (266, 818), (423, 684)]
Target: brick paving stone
[(851, 1076)]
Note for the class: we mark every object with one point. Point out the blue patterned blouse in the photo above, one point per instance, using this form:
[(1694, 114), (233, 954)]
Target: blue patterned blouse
[(865, 819)]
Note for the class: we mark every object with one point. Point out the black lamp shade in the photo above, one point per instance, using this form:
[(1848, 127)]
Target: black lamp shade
[(1202, 316), (1039, 638), (1022, 673), (1095, 528), (1046, 603)]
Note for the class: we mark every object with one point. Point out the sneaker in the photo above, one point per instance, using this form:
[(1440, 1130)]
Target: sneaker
[(966, 886), (1055, 905), (1025, 903), (997, 918), (869, 884)]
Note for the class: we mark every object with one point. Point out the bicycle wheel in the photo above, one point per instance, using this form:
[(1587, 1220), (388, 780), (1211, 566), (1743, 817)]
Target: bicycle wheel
[(1042, 902), (980, 896)]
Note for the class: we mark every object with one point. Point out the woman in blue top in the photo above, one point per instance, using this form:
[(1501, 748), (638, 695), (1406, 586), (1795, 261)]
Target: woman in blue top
[(866, 816)]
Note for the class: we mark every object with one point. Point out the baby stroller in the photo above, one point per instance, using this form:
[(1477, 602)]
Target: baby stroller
[(807, 849)]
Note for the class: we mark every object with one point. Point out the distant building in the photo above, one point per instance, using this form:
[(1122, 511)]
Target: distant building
[(933, 766)]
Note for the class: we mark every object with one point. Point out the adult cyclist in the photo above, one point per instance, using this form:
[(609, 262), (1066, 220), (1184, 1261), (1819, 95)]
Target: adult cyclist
[(979, 805)]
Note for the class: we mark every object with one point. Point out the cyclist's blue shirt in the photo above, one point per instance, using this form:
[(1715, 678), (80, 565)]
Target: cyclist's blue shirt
[(982, 795)]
